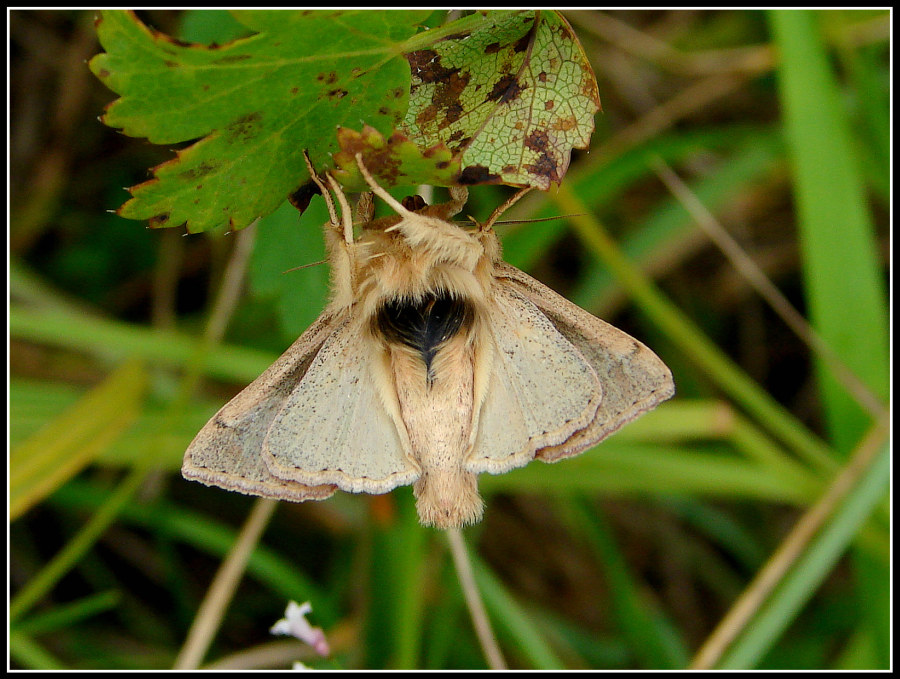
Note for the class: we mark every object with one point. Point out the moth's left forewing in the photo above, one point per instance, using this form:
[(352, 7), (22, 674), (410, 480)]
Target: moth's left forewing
[(227, 451), (634, 379), (341, 424)]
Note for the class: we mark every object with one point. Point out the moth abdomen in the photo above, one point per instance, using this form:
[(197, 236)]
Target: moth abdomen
[(424, 324)]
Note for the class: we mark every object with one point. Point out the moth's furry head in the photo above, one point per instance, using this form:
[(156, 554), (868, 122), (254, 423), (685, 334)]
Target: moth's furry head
[(413, 256)]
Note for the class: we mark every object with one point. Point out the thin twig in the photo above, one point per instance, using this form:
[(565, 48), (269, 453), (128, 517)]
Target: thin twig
[(221, 590), (232, 282), (223, 586), (473, 600), (767, 290), (643, 45)]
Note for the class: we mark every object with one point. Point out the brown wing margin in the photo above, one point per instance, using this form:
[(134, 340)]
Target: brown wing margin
[(634, 379)]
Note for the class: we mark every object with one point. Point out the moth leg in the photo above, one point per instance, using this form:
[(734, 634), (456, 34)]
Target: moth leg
[(332, 213), (512, 200), (459, 195)]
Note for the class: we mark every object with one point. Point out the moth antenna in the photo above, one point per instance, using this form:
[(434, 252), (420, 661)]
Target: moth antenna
[(512, 200), (380, 192), (304, 266), (345, 209), (332, 213), (534, 220)]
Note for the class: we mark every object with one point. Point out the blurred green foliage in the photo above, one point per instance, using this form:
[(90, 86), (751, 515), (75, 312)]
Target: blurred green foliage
[(625, 557)]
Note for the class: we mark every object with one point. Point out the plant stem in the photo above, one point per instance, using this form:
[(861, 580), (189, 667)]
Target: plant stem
[(473, 600)]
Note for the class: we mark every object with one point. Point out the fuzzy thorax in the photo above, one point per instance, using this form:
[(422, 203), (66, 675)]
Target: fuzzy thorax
[(417, 257)]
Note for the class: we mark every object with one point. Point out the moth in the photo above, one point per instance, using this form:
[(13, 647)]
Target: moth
[(434, 361)]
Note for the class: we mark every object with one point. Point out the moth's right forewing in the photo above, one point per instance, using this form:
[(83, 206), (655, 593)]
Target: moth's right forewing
[(227, 452), (634, 379), (541, 390)]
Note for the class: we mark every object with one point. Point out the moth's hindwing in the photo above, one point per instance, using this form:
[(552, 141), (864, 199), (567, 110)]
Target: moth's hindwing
[(227, 452), (634, 379)]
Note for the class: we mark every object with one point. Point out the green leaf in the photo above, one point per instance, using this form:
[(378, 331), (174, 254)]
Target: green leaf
[(396, 161), (283, 243), (257, 103), (511, 97)]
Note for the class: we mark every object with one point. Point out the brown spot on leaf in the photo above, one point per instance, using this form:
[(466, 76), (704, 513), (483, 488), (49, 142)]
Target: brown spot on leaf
[(524, 42), (244, 128), (426, 115), (171, 64), (542, 76), (158, 221), (453, 113), (426, 66), (537, 141), (492, 48), (478, 174), (294, 90), (544, 167), (549, 104), (459, 36), (232, 58), (201, 170), (506, 89), (337, 93), (565, 124)]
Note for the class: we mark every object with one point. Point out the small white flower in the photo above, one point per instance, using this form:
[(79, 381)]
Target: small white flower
[(295, 624)]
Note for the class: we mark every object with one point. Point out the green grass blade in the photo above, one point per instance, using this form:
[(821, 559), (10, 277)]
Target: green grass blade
[(114, 339), (69, 442), (842, 272), (512, 621), (648, 639), (69, 614), (813, 564), (28, 653)]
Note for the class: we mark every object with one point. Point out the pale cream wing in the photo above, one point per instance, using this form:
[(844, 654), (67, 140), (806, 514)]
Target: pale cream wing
[(541, 390), (339, 425), (227, 452), (634, 379)]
